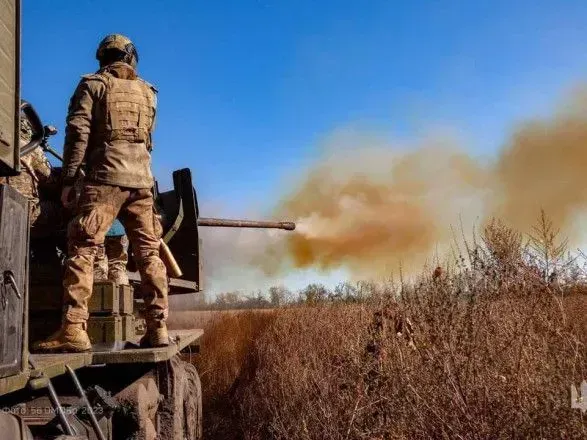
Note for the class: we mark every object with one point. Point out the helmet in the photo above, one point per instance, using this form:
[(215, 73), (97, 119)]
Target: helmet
[(118, 43)]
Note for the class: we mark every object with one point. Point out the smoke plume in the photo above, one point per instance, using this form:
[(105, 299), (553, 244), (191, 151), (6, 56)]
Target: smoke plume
[(371, 208), (543, 166), (369, 205)]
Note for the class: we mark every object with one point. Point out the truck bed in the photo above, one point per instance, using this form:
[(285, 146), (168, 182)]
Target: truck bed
[(52, 365)]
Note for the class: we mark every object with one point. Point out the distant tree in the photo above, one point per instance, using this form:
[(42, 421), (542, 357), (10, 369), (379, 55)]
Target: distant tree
[(256, 301), (228, 299), (314, 293), (279, 296)]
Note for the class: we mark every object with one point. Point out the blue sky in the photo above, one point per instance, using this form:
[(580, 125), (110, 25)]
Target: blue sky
[(248, 89)]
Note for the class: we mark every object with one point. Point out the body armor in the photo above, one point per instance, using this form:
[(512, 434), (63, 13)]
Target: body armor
[(130, 110)]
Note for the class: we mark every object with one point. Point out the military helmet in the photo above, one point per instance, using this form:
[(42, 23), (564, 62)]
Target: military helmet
[(118, 43)]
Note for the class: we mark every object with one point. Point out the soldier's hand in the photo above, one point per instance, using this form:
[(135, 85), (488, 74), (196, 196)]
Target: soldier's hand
[(67, 198)]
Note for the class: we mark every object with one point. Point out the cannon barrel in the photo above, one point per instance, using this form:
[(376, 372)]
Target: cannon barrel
[(227, 223)]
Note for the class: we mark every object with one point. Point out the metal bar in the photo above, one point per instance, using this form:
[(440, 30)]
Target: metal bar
[(55, 401), (57, 407), (55, 154), (228, 223), (82, 395)]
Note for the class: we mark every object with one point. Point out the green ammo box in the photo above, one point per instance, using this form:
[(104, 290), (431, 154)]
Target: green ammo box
[(109, 298), (111, 328), (105, 329)]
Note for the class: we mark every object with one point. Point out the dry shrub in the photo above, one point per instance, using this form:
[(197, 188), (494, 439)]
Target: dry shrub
[(482, 369), (486, 349)]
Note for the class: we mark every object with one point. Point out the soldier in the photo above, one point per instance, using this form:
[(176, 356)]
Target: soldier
[(109, 126), (110, 262), (45, 216)]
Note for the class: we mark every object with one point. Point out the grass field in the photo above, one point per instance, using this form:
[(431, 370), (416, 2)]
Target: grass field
[(486, 351)]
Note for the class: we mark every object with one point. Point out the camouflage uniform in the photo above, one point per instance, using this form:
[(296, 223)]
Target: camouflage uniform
[(118, 183), (45, 216), (110, 120), (116, 249)]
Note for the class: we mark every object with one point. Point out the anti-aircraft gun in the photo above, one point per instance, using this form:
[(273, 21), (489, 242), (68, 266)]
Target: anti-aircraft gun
[(117, 390)]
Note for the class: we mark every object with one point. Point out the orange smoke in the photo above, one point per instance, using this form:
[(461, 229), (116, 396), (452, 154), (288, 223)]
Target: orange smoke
[(370, 209)]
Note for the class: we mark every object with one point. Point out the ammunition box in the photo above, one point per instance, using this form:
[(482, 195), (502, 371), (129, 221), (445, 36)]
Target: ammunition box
[(105, 329), (109, 298), (128, 328), (126, 300), (111, 328)]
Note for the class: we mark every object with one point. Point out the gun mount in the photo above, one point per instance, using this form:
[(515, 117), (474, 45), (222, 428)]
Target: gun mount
[(180, 217)]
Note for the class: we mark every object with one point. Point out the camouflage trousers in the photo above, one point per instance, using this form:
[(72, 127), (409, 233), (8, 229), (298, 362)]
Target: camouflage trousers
[(98, 206), (111, 260)]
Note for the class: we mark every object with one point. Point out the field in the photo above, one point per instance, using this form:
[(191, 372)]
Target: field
[(485, 350)]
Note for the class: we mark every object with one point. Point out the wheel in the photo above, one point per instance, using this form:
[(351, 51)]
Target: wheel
[(192, 403), (180, 411), (137, 418)]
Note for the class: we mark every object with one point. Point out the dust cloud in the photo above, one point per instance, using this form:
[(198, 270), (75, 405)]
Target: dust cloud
[(370, 209)]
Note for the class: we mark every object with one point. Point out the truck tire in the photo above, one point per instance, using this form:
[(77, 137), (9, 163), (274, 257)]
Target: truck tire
[(192, 404), (138, 418), (180, 411)]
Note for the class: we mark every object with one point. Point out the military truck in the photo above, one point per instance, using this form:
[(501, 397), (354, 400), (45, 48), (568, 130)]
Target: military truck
[(117, 390)]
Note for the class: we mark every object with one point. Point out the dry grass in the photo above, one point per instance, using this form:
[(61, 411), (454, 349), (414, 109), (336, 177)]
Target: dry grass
[(487, 350), (226, 346)]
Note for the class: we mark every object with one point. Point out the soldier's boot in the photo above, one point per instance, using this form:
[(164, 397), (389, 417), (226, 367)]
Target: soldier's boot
[(156, 335), (71, 338)]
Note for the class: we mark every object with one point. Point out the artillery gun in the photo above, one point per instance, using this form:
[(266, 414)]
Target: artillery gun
[(117, 390)]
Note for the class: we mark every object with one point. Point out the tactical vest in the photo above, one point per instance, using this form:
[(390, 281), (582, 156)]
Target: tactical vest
[(129, 110), (119, 143)]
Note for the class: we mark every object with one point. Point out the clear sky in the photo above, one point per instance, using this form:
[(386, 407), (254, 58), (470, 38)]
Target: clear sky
[(247, 89)]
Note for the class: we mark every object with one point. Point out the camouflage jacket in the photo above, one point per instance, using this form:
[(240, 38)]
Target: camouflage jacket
[(35, 168), (110, 121)]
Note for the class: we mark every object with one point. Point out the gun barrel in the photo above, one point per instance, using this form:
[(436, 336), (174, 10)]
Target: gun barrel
[(227, 223)]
